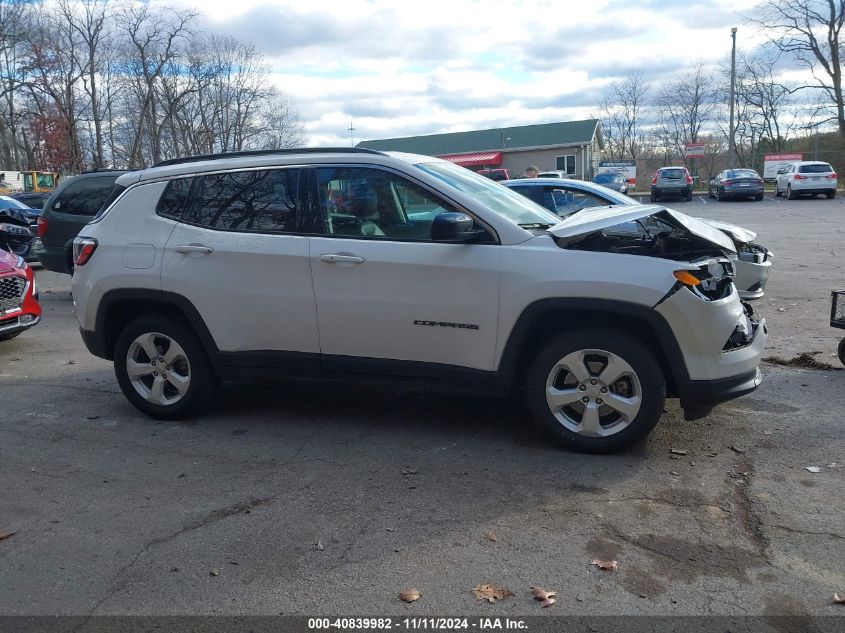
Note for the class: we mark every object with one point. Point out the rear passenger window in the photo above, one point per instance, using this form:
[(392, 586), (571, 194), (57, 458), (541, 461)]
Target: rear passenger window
[(262, 200), (174, 201)]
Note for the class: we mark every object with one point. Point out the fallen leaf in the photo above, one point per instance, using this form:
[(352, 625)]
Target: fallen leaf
[(606, 565), (410, 595), (678, 451), (547, 598), (813, 469), (491, 536), (5, 535), (214, 572), (837, 599), (738, 449), (491, 593)]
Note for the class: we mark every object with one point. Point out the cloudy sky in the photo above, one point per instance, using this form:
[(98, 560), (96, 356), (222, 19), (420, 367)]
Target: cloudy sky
[(401, 68)]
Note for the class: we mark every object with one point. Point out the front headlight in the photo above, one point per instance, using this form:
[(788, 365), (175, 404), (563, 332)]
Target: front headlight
[(21, 263), (14, 229)]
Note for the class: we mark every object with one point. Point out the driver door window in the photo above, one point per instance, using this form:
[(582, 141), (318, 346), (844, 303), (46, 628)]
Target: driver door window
[(363, 202)]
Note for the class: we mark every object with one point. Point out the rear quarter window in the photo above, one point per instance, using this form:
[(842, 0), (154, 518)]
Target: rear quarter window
[(175, 199)]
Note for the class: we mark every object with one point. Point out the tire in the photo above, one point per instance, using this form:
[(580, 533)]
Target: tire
[(10, 336), (710, 193), (831, 195), (842, 351), (778, 194), (791, 195), (720, 195), (612, 431), (758, 198), (653, 198), (689, 197), (190, 361)]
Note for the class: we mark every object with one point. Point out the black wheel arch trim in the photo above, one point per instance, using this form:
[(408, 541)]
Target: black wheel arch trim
[(533, 313)]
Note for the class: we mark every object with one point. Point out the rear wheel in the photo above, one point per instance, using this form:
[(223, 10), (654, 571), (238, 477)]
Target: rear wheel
[(720, 195), (831, 195), (791, 195), (596, 390), (758, 198), (689, 197), (653, 198), (162, 368), (842, 351)]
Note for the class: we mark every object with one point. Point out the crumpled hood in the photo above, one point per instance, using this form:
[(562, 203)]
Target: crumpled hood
[(737, 232), (595, 219)]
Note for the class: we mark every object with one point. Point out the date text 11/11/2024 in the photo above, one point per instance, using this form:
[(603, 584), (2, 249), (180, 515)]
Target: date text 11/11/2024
[(416, 624)]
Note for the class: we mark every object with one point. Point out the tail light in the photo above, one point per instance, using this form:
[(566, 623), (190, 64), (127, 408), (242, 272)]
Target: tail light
[(42, 225), (83, 248), (833, 175), (727, 182), (654, 180), (800, 177), (689, 179)]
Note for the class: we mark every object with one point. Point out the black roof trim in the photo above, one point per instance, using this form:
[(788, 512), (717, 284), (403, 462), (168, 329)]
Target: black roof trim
[(269, 152)]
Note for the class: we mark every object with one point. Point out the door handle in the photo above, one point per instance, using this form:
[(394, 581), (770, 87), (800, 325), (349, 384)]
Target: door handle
[(186, 249), (342, 259)]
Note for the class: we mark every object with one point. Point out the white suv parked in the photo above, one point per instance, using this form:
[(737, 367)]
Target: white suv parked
[(359, 261), (806, 178)]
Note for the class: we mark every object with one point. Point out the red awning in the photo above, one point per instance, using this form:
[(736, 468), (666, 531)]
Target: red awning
[(472, 160)]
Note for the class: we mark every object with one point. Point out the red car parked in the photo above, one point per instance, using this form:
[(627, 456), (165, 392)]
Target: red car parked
[(19, 309)]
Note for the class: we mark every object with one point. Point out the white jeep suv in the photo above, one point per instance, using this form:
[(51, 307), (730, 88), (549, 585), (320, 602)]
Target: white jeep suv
[(810, 177), (357, 261)]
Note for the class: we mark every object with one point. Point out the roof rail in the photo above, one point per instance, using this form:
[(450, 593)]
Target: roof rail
[(269, 152)]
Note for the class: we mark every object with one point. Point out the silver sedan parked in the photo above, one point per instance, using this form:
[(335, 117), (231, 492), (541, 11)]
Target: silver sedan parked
[(566, 197)]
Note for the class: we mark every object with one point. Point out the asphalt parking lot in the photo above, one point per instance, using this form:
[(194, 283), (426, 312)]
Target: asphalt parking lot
[(331, 498)]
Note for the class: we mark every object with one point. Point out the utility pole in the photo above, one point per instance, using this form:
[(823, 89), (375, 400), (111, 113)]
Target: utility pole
[(731, 146), (351, 131)]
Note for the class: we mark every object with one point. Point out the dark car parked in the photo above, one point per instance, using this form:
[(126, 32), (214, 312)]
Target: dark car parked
[(613, 181), (736, 183), (73, 204), (34, 199)]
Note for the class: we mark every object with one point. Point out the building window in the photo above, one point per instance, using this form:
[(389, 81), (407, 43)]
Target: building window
[(566, 164)]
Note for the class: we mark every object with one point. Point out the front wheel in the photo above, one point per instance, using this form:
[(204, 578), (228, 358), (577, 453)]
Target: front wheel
[(10, 336), (162, 368), (596, 390)]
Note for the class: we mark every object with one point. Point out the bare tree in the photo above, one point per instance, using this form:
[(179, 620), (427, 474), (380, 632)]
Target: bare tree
[(811, 30), (283, 129), (686, 106), (624, 113)]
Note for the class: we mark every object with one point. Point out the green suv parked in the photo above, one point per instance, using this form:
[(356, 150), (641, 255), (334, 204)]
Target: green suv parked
[(73, 205)]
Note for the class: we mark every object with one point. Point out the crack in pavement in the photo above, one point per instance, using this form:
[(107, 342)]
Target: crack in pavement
[(786, 528), (208, 519)]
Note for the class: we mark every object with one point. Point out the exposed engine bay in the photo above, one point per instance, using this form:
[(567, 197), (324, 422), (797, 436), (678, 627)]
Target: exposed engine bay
[(658, 235)]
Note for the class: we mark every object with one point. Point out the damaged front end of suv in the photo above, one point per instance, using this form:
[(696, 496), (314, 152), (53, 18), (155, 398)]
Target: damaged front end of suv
[(722, 334)]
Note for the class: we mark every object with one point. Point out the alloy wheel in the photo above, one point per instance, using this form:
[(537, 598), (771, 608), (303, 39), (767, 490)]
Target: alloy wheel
[(594, 393), (158, 368)]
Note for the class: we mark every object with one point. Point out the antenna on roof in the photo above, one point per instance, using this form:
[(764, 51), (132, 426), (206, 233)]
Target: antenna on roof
[(351, 131)]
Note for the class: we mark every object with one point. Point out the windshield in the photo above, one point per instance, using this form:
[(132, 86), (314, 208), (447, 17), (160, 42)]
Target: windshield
[(499, 199), (743, 173), (608, 178)]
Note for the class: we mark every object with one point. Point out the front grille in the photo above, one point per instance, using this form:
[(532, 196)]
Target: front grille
[(11, 292)]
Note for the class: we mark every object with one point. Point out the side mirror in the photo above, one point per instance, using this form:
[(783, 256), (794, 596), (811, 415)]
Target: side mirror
[(453, 227)]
